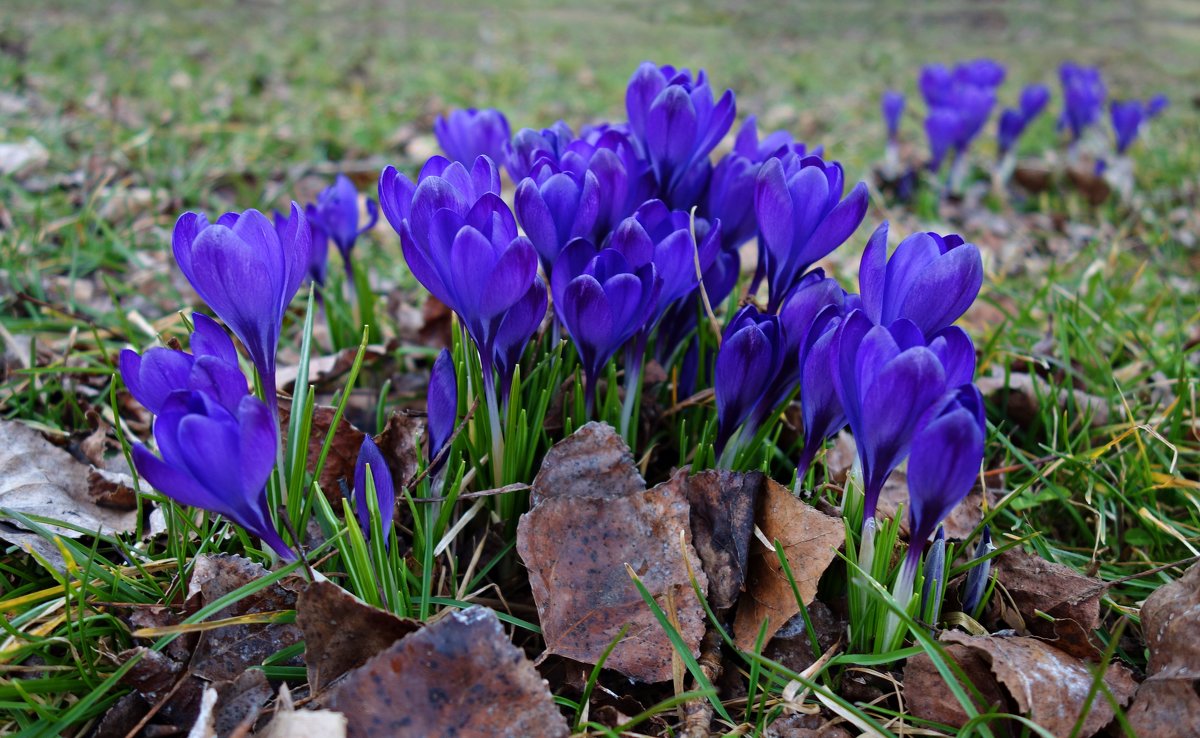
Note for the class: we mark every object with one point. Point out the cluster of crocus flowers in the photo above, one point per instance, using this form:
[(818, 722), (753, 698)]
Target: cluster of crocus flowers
[(468, 134), (1013, 123), (960, 101), (1084, 93)]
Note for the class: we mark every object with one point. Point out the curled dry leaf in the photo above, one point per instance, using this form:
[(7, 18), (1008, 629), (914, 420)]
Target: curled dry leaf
[(459, 676), (1042, 682), (810, 541), (1168, 703), (577, 540), (325, 369), (38, 478), (722, 523), (223, 654), (1039, 586), (341, 632)]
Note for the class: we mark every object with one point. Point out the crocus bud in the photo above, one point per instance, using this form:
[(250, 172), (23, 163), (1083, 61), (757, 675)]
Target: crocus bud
[(934, 577), (892, 105), (441, 407), (977, 576), (370, 458), (471, 133), (336, 212)]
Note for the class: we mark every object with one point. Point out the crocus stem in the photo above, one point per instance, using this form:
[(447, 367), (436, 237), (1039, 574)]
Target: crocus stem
[(866, 562), (902, 593), (803, 463), (489, 391), (633, 382)]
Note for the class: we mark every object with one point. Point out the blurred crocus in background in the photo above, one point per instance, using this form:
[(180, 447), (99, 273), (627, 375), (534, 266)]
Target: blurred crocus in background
[(468, 134), (959, 101), (1012, 125), (1128, 117), (336, 215), (1084, 94), (892, 106), (248, 272), (372, 466)]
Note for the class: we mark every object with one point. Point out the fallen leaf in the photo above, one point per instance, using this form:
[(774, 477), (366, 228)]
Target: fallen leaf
[(458, 676), (122, 204), (398, 444), (1027, 392), (343, 454), (205, 727), (591, 462), (722, 524), (240, 702), (1048, 685), (223, 654), (324, 369), (111, 490), (810, 541), (341, 632), (577, 540), (38, 478), (927, 696), (1168, 703), (24, 158), (288, 723), (1073, 600)]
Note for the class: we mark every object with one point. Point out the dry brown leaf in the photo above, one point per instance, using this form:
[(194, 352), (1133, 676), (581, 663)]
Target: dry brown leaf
[(459, 676), (722, 523), (1047, 684), (324, 369), (23, 158), (341, 632), (1073, 600), (926, 695), (240, 702), (1168, 702), (288, 723), (223, 654), (38, 478), (591, 462), (343, 454), (810, 541), (1026, 393), (398, 444)]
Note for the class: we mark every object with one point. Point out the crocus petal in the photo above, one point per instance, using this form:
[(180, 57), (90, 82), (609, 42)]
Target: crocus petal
[(872, 271), (153, 377), (441, 404), (942, 469), (944, 290), (370, 458)]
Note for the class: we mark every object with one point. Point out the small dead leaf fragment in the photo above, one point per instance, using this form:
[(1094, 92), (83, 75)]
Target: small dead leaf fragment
[(1168, 702), (324, 369), (1167, 708), (342, 454), (38, 478), (810, 541), (111, 489), (1072, 599), (1027, 392), (223, 654), (240, 702), (594, 461), (722, 523), (341, 632), (459, 676), (1048, 685), (23, 158), (398, 444)]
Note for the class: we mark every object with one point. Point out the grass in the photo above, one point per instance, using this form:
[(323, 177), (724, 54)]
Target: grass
[(247, 103)]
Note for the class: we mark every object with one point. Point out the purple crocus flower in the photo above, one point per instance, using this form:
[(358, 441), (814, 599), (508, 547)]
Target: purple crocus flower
[(248, 272), (530, 148), (977, 576), (370, 458), (936, 83), (1011, 126), (892, 105), (216, 460), (441, 407), (676, 121), (516, 330), (212, 368), (555, 208), (1033, 100), (471, 133), (624, 177), (456, 187), (819, 403), (941, 128), (318, 265), (802, 216), (1083, 97), (980, 73), (886, 378), (749, 358), (929, 280), (1156, 105), (336, 213), (1127, 117), (603, 302)]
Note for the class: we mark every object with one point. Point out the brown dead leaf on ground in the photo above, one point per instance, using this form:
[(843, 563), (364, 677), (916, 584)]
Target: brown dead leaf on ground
[(325, 369), (926, 695), (458, 676), (1168, 702), (342, 454), (722, 524), (38, 478), (810, 541), (1073, 600), (577, 540), (1027, 392), (591, 462), (1047, 684), (223, 654), (341, 632)]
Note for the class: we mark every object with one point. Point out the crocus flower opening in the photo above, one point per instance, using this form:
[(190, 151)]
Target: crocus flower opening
[(929, 280), (336, 215), (555, 208), (1127, 117), (216, 460), (977, 576), (212, 368), (892, 106), (318, 265), (1033, 101), (1011, 126), (371, 464), (802, 217), (530, 148), (749, 358), (885, 378), (248, 272), (676, 121), (820, 406), (603, 302), (471, 133), (441, 407)]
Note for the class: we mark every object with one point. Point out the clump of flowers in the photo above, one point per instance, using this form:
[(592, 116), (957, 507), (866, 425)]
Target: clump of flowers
[(960, 101)]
